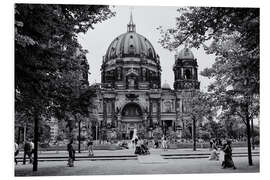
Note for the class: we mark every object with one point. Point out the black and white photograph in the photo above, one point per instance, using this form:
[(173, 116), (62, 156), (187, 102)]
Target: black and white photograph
[(104, 89)]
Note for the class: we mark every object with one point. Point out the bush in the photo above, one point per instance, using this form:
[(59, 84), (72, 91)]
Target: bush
[(186, 135), (205, 135), (44, 145)]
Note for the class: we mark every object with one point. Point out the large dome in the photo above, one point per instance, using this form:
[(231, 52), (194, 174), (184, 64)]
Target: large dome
[(131, 44), (131, 62)]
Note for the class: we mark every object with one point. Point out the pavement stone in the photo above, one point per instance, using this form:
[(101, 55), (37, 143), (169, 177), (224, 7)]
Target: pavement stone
[(151, 159)]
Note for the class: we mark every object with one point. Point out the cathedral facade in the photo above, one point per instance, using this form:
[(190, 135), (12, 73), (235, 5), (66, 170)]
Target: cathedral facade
[(131, 96)]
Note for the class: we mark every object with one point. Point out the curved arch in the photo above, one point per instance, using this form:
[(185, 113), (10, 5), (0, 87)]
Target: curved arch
[(188, 74), (131, 109)]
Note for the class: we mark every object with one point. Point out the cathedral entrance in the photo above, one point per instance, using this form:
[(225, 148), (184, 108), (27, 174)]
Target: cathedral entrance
[(132, 112), (132, 118), (167, 127), (131, 134)]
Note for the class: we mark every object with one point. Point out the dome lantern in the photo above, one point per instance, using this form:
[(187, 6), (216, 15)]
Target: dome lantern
[(185, 53), (131, 27)]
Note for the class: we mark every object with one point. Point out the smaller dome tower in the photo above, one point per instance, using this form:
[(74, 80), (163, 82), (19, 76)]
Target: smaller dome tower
[(185, 70)]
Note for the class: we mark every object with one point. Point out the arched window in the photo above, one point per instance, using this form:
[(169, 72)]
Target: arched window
[(132, 110), (186, 53), (167, 106), (154, 107), (109, 108), (187, 74)]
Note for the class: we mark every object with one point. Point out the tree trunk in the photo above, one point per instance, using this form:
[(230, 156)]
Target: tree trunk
[(19, 135), (248, 137), (24, 132), (194, 133), (252, 134), (79, 137), (36, 136)]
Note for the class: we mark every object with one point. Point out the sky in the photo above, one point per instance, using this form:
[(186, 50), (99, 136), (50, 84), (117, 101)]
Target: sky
[(147, 19)]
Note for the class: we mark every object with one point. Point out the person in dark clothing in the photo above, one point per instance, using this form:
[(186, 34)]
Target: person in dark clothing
[(90, 146), (228, 161), (71, 154), (27, 152), (211, 144), (136, 141), (144, 147), (156, 145)]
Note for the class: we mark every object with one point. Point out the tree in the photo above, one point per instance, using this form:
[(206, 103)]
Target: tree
[(233, 35), (46, 58), (200, 108), (215, 129)]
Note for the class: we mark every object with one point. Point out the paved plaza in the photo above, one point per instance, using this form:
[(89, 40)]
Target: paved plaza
[(131, 152), (149, 165)]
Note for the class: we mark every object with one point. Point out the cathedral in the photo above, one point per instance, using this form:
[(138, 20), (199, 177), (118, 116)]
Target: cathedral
[(130, 95)]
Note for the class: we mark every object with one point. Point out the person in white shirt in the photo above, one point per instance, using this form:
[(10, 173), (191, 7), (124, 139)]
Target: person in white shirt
[(164, 143), (32, 147)]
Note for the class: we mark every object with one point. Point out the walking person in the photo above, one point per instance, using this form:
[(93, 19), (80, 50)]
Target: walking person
[(156, 144), (27, 152), (32, 146), (90, 146), (71, 154), (164, 143), (214, 149), (228, 161), (211, 144), (16, 152)]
